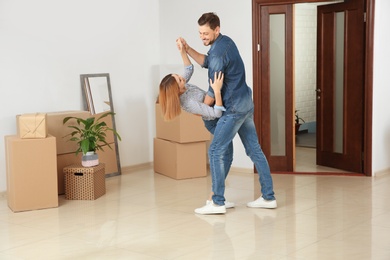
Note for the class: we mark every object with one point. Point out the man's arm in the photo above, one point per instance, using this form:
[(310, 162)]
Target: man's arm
[(196, 56)]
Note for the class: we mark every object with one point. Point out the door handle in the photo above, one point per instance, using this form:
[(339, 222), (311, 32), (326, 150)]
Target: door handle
[(318, 92)]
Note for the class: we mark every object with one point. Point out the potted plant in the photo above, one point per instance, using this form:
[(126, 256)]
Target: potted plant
[(90, 135), (298, 121)]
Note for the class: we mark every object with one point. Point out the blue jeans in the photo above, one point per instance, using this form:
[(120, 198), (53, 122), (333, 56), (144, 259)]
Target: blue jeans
[(228, 158), (221, 148)]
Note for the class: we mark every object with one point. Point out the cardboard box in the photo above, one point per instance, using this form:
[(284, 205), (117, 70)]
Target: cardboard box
[(57, 129), (84, 183), (32, 125), (108, 157), (64, 160), (31, 173), (186, 128), (180, 161)]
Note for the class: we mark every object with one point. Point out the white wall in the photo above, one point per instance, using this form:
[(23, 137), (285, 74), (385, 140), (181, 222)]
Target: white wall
[(381, 104), (305, 49), (45, 45)]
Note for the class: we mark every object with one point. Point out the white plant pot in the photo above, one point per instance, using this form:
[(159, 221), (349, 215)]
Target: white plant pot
[(90, 159)]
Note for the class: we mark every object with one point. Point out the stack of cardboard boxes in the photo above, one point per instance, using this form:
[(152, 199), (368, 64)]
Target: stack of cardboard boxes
[(31, 165), (37, 155), (180, 146)]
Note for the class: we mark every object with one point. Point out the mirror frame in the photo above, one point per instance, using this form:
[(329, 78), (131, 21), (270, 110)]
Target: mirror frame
[(88, 105)]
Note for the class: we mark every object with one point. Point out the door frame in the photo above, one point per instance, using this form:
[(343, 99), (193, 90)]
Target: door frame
[(368, 84)]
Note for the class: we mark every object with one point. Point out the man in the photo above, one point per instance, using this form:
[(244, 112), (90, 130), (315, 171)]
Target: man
[(224, 57)]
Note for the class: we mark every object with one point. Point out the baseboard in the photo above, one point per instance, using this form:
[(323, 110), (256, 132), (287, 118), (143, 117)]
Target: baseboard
[(136, 167), (242, 170), (148, 165), (236, 169), (382, 172), (3, 194)]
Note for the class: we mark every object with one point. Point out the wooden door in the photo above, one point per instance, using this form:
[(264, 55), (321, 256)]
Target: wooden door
[(274, 50), (340, 85)]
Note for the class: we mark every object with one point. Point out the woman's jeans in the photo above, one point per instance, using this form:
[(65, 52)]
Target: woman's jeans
[(221, 152)]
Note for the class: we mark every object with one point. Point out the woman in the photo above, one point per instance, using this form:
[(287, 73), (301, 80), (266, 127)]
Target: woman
[(176, 93)]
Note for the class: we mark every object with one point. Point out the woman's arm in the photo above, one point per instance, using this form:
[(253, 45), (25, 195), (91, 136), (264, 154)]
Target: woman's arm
[(188, 67), (183, 53), (193, 104)]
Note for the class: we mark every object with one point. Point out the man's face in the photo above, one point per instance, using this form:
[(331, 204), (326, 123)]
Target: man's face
[(207, 35)]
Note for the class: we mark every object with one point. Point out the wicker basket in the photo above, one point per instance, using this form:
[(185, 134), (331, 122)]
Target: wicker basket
[(84, 183)]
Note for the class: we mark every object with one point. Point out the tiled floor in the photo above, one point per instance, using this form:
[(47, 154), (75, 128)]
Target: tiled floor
[(306, 161), (145, 215)]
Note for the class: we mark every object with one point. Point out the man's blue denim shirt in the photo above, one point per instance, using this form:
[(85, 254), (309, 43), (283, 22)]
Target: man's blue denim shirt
[(224, 56)]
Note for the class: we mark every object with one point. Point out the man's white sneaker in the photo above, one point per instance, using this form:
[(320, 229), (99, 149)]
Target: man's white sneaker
[(262, 203), (228, 204), (210, 208)]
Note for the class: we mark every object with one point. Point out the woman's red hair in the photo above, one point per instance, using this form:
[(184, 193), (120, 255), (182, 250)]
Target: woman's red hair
[(169, 98)]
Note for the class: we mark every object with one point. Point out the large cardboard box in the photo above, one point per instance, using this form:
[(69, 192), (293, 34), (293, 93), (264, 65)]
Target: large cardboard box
[(57, 129), (84, 183), (60, 131), (180, 161), (108, 157), (31, 166), (186, 128), (32, 125)]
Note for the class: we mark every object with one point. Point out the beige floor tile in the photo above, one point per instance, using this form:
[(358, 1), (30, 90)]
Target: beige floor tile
[(333, 249), (13, 236), (365, 234), (64, 247), (164, 244)]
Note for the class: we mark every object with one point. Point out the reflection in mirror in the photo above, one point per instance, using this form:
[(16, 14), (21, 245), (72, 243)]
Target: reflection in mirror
[(98, 99), (97, 90)]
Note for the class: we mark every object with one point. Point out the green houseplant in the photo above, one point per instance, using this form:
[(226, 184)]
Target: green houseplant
[(90, 135), (298, 121)]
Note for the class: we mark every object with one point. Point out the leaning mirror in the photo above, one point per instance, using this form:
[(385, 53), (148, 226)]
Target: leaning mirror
[(98, 99)]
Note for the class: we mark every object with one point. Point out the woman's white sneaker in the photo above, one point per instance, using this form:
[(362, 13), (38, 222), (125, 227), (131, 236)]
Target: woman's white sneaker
[(262, 203), (211, 208), (228, 204)]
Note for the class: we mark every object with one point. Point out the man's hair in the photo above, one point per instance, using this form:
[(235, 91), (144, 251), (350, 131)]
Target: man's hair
[(169, 98), (209, 18)]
